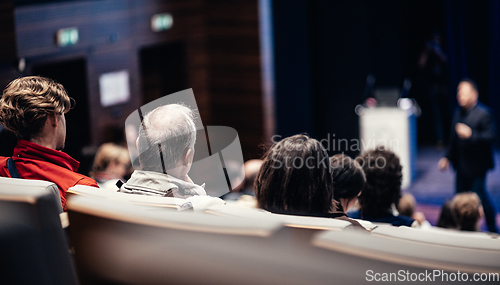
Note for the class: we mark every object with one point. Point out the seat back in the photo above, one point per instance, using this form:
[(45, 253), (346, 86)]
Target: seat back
[(33, 246), (446, 237), (118, 241), (6, 183), (163, 202), (410, 253), (288, 220)]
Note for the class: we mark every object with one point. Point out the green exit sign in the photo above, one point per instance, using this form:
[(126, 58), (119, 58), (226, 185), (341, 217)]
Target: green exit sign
[(67, 37), (161, 22)]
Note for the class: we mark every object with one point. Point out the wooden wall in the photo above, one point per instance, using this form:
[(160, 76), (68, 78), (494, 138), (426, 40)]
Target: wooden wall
[(220, 41)]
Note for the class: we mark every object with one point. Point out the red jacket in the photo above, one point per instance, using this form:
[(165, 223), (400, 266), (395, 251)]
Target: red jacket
[(34, 161)]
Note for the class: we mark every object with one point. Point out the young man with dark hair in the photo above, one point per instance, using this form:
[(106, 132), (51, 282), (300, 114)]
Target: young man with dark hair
[(33, 108)]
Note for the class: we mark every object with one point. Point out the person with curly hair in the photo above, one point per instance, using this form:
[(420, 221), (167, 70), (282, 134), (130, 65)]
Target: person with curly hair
[(382, 190), (33, 109), (295, 178)]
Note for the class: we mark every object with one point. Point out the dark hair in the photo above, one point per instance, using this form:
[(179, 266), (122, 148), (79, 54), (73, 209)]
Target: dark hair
[(348, 177), (383, 181), (446, 218), (26, 103), (471, 82), (295, 178)]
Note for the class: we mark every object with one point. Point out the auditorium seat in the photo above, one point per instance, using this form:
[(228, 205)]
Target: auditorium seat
[(116, 242), (33, 246), (288, 220), (163, 202), (409, 252), (472, 240)]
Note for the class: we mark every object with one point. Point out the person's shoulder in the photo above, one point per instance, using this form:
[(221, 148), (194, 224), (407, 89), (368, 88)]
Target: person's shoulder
[(482, 109), (85, 180), (402, 221), (355, 215)]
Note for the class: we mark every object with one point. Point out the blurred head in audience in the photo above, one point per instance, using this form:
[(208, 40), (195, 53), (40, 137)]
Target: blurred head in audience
[(166, 140), (111, 160), (446, 218), (295, 178), (407, 204), (348, 180), (467, 210), (33, 108), (383, 181), (252, 168)]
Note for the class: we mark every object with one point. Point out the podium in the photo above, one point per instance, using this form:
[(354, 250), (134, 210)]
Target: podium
[(396, 130)]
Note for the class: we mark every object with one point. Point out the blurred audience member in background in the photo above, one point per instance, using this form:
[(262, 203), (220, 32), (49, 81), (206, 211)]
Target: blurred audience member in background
[(446, 219), (295, 178), (165, 143), (111, 164), (467, 210), (251, 168), (382, 191), (406, 207), (348, 181), (33, 108), (471, 147)]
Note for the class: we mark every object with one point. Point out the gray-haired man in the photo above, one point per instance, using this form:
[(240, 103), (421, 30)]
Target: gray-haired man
[(166, 149)]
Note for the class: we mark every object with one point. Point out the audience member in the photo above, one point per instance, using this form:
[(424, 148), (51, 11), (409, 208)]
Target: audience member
[(467, 209), (348, 181), (251, 168), (295, 178), (406, 207), (446, 218), (33, 108), (166, 149), (111, 163), (382, 190)]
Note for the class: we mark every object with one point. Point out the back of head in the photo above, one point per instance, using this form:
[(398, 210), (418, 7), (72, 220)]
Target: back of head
[(168, 131), (383, 173), (446, 217), (406, 205), (467, 209), (348, 177), (295, 178), (26, 103)]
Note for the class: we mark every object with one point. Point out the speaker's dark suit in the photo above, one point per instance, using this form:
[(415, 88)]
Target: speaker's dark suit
[(473, 157)]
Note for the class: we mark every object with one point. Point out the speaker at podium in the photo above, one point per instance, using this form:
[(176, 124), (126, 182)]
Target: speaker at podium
[(390, 121)]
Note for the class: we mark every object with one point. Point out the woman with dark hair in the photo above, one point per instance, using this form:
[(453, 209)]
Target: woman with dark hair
[(382, 189), (348, 181), (295, 178)]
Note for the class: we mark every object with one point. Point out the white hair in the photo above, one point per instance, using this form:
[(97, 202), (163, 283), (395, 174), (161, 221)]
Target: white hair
[(169, 128)]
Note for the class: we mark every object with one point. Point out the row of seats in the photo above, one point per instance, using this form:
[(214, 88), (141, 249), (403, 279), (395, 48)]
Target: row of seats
[(119, 238)]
